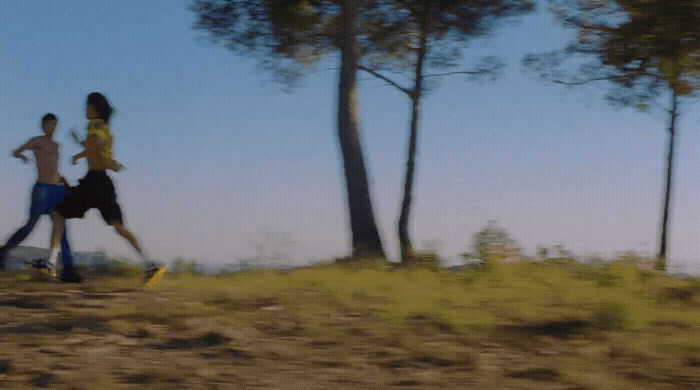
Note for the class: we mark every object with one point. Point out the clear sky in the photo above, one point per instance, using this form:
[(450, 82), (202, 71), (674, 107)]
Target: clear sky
[(219, 158)]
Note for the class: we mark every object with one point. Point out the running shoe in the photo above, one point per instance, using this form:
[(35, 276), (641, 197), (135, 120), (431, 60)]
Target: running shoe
[(43, 266), (153, 275)]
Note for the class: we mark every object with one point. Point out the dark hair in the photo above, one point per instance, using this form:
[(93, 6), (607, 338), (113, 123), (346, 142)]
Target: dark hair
[(104, 110), (48, 117)]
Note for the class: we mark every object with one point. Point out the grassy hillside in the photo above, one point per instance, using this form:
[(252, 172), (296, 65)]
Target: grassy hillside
[(514, 326)]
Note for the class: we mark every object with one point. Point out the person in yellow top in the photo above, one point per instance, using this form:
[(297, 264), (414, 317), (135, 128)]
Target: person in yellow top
[(99, 158), (96, 189)]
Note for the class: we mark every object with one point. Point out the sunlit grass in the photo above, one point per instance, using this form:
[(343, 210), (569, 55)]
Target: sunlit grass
[(615, 297), (606, 326)]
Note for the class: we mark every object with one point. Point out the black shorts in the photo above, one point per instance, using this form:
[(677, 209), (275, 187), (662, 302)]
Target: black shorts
[(95, 190)]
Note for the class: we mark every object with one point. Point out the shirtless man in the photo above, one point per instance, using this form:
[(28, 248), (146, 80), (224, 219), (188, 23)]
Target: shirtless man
[(46, 194)]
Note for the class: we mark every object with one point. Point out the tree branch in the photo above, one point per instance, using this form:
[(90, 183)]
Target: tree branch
[(600, 78), (581, 82), (469, 72), (386, 79)]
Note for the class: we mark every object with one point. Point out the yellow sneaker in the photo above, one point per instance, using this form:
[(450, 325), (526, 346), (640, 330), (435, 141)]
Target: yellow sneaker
[(153, 275), (42, 266), (49, 272)]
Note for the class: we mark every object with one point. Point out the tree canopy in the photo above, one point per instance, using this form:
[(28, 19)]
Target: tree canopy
[(288, 37), (393, 37), (646, 48)]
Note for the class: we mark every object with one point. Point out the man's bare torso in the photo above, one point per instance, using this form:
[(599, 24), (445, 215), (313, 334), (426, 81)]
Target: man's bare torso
[(46, 155)]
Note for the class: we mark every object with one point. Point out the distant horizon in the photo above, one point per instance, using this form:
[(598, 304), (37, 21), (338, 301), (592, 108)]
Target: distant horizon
[(245, 264)]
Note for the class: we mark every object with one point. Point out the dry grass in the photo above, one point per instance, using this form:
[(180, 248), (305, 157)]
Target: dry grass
[(515, 326)]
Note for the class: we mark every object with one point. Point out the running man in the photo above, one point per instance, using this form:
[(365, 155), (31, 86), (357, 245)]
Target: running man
[(48, 191), (96, 189)]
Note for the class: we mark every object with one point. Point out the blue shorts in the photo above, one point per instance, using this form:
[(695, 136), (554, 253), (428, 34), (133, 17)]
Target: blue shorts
[(45, 197)]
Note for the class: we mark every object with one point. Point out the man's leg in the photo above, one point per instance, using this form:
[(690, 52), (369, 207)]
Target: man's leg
[(56, 232), (18, 237), (124, 232), (59, 234), (22, 233), (153, 272), (66, 253), (68, 274), (37, 208)]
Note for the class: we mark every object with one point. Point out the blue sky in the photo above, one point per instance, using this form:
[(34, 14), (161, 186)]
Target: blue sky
[(219, 158)]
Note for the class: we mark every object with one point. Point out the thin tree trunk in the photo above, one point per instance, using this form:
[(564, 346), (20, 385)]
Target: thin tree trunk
[(365, 236), (407, 252), (661, 258)]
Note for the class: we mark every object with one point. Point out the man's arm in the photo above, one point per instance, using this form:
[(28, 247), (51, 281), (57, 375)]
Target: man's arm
[(29, 145), (79, 156), (75, 136), (114, 165)]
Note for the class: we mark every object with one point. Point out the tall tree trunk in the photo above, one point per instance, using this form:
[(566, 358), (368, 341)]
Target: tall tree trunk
[(365, 236), (407, 252), (661, 258)]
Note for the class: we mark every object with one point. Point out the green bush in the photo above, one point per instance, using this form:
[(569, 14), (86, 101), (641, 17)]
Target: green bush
[(120, 268), (425, 260), (183, 266), (360, 263), (611, 316)]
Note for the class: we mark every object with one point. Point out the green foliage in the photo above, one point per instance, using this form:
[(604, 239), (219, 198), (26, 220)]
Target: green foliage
[(120, 268), (607, 279), (426, 260), (687, 294), (601, 277), (286, 36), (183, 266), (538, 321), (289, 37), (611, 316), (643, 47), (360, 263), (441, 29), (544, 298), (659, 39), (492, 245), (473, 274)]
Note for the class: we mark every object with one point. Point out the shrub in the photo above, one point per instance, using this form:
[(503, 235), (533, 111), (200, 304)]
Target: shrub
[(120, 268), (426, 260), (611, 316), (492, 245), (358, 263), (183, 266)]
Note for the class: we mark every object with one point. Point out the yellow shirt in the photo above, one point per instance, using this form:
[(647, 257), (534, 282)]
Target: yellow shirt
[(97, 159)]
